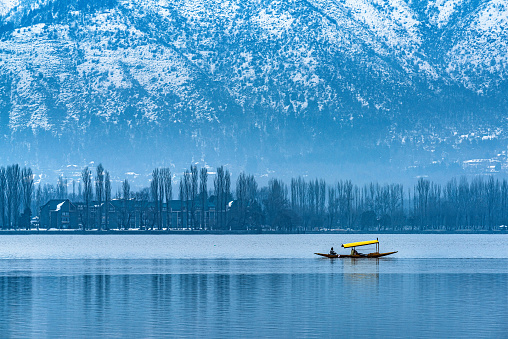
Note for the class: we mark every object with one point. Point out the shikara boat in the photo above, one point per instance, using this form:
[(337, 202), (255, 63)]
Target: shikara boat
[(355, 253)]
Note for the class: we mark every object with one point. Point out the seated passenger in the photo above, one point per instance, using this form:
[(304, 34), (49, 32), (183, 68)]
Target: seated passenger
[(332, 252)]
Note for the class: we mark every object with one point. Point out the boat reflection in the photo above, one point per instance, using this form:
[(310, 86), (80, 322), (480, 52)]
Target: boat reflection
[(359, 270)]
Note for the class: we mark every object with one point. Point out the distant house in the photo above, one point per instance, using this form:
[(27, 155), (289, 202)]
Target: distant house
[(60, 214), (114, 215), (123, 214), (138, 214)]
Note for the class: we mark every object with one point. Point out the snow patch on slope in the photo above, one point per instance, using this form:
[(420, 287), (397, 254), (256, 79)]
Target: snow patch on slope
[(390, 19), (444, 10), (7, 5), (494, 18), (483, 47), (274, 23)]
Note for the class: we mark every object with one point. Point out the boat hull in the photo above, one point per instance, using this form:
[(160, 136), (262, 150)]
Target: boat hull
[(328, 255), (369, 255)]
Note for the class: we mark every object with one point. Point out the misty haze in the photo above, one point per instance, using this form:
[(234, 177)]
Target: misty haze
[(247, 169)]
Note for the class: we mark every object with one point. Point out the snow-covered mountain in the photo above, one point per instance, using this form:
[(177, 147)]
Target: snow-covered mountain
[(319, 86)]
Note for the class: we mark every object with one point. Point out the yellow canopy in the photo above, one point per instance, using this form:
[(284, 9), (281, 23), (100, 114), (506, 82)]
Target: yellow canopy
[(360, 243)]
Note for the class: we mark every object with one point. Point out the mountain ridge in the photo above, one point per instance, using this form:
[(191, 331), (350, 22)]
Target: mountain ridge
[(255, 82)]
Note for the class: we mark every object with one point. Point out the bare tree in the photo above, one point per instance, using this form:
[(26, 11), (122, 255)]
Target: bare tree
[(181, 195), (61, 188), (154, 185), (203, 189), (3, 193), (187, 193), (38, 199), (141, 198), (332, 207), (299, 190), (80, 192), (107, 196), (241, 199), (168, 190), (73, 198), (276, 204), (492, 190), (13, 174), (227, 195), (218, 185), (246, 191), (86, 177), (126, 190), (422, 198), (27, 182), (161, 198), (193, 194), (99, 193), (504, 202)]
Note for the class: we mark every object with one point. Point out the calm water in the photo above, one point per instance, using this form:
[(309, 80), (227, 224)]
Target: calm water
[(252, 286)]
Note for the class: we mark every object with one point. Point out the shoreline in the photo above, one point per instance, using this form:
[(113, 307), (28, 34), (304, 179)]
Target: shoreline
[(243, 232)]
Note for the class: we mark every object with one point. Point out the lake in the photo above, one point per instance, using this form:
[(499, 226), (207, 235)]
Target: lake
[(218, 286)]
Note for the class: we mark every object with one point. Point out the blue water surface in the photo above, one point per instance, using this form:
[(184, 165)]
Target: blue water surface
[(246, 286)]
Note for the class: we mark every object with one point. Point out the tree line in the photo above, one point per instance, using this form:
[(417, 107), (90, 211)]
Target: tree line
[(16, 192), (480, 203)]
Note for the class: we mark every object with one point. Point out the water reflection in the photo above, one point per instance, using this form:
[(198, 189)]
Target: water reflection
[(222, 299), (16, 296)]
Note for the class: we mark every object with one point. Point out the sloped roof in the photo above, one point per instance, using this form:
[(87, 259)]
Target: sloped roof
[(56, 204), (174, 204), (59, 206)]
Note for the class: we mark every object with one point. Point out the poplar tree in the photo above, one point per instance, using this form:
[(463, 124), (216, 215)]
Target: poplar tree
[(218, 185), (107, 196), (38, 199), (161, 198), (241, 198), (154, 189), (61, 188), (99, 193), (13, 175), (3, 193), (126, 191), (168, 190), (203, 190), (86, 177), (187, 193), (181, 195), (27, 182), (227, 194), (193, 194)]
